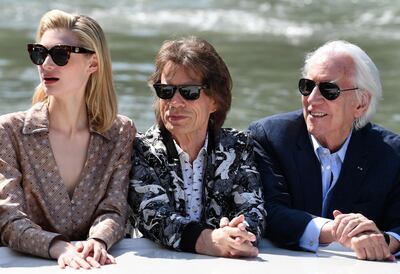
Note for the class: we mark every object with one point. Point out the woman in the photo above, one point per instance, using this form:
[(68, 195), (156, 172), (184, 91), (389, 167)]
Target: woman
[(195, 187), (64, 163)]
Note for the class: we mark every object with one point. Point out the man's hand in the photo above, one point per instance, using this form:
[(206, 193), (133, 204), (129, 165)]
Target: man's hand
[(230, 240), (371, 246), (357, 232), (325, 235), (345, 226)]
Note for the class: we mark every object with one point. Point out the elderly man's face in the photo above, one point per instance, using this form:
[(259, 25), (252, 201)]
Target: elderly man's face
[(331, 121), (185, 118)]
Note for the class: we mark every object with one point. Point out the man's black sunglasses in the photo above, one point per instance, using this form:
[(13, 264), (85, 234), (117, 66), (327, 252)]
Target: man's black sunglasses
[(188, 92), (59, 53), (330, 91)]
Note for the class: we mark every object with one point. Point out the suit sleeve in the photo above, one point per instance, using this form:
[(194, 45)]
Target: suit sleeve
[(285, 225), (154, 213), (391, 218)]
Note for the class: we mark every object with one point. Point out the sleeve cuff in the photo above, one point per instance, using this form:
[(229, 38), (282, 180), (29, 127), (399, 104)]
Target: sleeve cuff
[(397, 237), (190, 235), (310, 238)]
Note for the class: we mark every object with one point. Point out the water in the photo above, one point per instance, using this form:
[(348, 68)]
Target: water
[(263, 43)]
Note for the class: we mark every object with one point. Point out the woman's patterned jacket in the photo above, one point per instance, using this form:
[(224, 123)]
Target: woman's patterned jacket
[(231, 187)]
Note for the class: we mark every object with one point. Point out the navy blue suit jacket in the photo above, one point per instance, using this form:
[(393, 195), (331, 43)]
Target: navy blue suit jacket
[(369, 181)]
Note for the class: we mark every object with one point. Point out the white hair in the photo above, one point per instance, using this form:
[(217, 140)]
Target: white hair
[(366, 74)]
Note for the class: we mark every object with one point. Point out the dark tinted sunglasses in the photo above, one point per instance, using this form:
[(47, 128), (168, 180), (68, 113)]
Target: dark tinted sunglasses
[(60, 53), (330, 91), (188, 92)]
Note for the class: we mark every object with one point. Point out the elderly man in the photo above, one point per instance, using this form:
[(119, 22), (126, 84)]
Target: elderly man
[(195, 186), (328, 173)]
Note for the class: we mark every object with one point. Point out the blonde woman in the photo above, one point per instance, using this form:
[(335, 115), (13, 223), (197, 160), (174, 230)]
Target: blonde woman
[(64, 163)]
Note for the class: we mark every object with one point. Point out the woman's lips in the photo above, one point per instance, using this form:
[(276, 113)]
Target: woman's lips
[(50, 80)]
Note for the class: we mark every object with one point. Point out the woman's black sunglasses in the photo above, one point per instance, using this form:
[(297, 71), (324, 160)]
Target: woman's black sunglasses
[(188, 92), (60, 53), (330, 91)]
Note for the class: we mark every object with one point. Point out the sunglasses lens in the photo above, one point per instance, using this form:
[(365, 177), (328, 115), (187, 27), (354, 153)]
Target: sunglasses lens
[(306, 86), (190, 92), (329, 90), (38, 55), (164, 91), (59, 55)]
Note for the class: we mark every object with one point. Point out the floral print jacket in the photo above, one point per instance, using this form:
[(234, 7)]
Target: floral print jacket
[(231, 186)]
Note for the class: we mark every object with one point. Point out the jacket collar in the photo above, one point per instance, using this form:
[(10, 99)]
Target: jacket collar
[(37, 121), (169, 143)]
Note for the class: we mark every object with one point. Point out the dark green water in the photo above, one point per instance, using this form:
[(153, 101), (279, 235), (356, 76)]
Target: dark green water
[(263, 43)]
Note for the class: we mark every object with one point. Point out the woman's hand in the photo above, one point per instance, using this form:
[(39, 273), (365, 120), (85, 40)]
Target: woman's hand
[(67, 255), (95, 253)]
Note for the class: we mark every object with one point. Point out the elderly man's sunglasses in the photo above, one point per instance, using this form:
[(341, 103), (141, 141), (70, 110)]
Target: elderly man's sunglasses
[(330, 91), (59, 53), (188, 92)]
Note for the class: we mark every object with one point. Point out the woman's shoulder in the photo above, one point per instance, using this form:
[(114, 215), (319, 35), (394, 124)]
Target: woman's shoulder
[(13, 120), (123, 124), (122, 120)]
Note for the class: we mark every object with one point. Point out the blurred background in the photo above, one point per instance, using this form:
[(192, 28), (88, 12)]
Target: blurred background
[(262, 42)]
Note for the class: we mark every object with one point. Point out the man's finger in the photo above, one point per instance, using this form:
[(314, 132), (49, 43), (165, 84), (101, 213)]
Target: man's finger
[(223, 222), (336, 213), (364, 227), (236, 221)]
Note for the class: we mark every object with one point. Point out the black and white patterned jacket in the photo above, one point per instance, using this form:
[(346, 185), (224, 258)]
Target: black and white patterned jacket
[(231, 187)]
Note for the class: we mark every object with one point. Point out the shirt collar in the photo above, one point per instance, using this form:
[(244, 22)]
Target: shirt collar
[(341, 152), (37, 120)]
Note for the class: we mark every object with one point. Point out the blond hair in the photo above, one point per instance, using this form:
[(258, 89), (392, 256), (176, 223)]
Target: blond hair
[(100, 97)]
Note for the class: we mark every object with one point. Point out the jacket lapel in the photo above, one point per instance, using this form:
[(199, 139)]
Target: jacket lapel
[(309, 174)]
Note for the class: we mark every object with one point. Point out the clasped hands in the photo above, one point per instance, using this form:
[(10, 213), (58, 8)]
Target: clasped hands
[(84, 254), (231, 239), (357, 232)]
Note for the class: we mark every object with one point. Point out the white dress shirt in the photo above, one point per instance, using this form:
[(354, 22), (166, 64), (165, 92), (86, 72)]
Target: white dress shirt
[(331, 164), (193, 180)]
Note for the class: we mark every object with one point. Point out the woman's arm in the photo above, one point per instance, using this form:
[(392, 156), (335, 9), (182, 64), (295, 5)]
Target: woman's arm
[(17, 230), (110, 215)]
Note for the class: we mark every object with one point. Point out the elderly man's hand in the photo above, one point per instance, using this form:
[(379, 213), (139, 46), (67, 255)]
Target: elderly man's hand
[(357, 232), (371, 246), (230, 240), (345, 226)]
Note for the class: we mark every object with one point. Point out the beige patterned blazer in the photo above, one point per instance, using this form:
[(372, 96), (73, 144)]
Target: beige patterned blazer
[(35, 207)]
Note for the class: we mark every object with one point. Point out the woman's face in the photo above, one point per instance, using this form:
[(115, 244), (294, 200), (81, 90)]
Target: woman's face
[(185, 118), (70, 79)]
